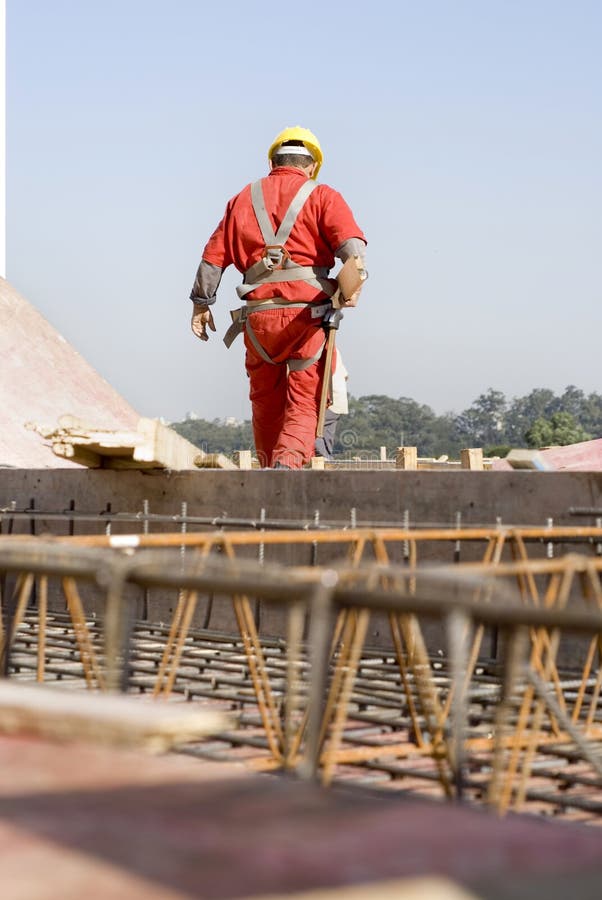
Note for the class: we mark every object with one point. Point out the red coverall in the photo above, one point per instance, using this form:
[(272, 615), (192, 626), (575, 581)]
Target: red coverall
[(284, 404)]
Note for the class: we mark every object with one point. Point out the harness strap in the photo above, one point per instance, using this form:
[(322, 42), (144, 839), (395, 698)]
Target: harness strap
[(239, 316), (312, 275), (297, 204), (275, 267), (298, 365), (294, 365), (240, 323), (286, 226), (253, 338), (317, 309)]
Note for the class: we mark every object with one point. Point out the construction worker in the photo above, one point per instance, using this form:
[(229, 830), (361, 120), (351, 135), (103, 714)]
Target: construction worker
[(282, 233)]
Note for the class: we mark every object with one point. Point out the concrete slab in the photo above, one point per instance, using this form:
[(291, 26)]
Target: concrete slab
[(583, 457), (42, 378), (80, 821)]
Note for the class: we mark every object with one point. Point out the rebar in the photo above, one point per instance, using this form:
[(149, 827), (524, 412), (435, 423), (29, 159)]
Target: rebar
[(399, 711)]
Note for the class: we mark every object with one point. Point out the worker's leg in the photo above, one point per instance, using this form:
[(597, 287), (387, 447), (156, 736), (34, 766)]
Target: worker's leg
[(285, 414), (267, 392), (295, 444)]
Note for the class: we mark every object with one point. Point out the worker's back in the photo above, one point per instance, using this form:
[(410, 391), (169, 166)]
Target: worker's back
[(323, 223)]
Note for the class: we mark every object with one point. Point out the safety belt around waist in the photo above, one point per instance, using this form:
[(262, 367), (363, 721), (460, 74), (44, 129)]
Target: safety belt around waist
[(240, 323), (315, 276)]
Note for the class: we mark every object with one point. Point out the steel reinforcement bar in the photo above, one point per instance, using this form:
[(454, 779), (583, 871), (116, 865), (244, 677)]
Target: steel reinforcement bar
[(530, 711)]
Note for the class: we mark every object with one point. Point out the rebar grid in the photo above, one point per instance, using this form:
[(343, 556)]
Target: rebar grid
[(443, 720), (214, 670), (209, 531)]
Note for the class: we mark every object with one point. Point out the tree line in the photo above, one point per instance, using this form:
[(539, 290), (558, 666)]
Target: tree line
[(540, 418)]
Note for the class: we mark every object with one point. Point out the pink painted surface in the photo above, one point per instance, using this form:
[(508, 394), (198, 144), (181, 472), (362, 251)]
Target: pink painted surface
[(500, 465), (81, 821), (42, 378), (583, 457)]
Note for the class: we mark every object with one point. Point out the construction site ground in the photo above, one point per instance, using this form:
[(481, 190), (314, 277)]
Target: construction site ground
[(79, 820), (213, 671), (216, 819), (208, 822)]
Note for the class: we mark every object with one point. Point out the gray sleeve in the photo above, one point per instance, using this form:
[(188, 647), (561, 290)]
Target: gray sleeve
[(352, 247), (206, 283)]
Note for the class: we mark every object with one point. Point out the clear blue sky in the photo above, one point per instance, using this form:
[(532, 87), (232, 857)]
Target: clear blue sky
[(465, 134)]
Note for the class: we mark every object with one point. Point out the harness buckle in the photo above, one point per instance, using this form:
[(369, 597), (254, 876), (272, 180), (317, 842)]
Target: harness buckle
[(276, 256)]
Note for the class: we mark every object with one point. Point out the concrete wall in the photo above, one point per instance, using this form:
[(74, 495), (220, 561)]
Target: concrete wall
[(520, 497), (377, 497)]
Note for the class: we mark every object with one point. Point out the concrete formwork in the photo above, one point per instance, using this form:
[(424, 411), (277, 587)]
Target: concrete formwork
[(518, 498), (376, 497)]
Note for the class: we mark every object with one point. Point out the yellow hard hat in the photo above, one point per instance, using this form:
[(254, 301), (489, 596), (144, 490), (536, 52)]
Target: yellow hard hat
[(307, 138)]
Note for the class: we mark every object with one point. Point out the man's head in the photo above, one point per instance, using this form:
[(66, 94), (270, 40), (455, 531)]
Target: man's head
[(296, 147), (292, 153)]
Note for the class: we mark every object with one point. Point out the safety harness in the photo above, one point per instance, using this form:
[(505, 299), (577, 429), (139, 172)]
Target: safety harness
[(277, 266)]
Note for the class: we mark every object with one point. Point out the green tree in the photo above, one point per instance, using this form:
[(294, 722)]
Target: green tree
[(524, 411), (559, 430), (571, 401), (591, 414), (585, 410), (484, 423), (540, 418), (378, 421), (216, 436)]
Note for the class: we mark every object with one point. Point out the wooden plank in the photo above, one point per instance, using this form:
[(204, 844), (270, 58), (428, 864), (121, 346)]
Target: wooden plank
[(104, 718), (165, 446), (81, 455), (213, 461), (243, 459), (152, 445), (438, 464), (472, 458), (406, 458), (527, 459)]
